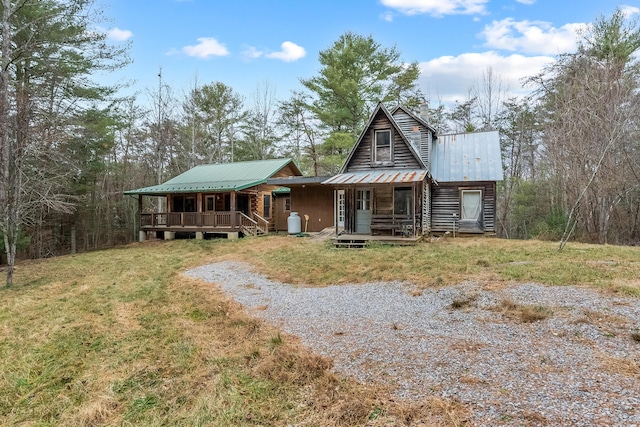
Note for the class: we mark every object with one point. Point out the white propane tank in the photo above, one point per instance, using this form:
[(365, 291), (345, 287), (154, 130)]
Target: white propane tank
[(293, 223)]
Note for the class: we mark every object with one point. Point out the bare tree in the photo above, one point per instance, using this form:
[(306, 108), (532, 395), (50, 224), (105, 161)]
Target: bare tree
[(259, 127), (161, 131), (591, 105), (490, 94), (519, 140), (301, 130)]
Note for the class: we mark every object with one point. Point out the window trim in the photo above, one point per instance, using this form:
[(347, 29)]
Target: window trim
[(363, 203), (409, 200), (472, 190), (267, 201), (375, 146)]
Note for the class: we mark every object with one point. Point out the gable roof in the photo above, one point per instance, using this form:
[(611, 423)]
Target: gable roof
[(467, 157), (220, 177), (416, 117), (381, 108)]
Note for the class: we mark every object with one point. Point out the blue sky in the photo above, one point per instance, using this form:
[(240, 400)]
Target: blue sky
[(245, 43)]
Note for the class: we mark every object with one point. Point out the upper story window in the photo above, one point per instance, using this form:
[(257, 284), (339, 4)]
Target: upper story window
[(382, 146)]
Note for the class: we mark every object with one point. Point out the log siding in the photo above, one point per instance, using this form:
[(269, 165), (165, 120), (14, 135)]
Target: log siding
[(445, 201)]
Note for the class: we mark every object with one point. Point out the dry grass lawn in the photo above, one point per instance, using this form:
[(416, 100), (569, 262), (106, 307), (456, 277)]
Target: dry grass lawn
[(120, 337)]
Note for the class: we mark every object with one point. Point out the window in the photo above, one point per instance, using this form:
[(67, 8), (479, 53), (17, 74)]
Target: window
[(287, 204), (471, 205), (266, 212), (382, 148), (402, 201), (210, 203), (363, 200), (184, 204)]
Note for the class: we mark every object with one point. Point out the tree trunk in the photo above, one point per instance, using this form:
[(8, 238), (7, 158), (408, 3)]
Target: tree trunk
[(5, 149)]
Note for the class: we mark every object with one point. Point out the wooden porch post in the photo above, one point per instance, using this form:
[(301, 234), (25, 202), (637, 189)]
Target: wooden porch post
[(138, 227), (233, 209), (413, 207), (199, 208)]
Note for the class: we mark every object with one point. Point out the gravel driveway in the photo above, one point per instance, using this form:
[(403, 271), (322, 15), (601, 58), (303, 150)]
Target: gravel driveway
[(579, 367)]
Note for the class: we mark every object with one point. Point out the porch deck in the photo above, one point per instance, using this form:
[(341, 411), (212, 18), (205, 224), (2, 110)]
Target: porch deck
[(361, 240), (205, 222)]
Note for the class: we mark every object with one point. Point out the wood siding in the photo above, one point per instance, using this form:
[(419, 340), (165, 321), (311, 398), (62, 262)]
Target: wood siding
[(316, 201), (407, 123), (445, 201), (362, 157), (284, 172), (383, 200)]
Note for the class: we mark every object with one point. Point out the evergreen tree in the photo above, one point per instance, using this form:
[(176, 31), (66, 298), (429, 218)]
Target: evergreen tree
[(49, 49)]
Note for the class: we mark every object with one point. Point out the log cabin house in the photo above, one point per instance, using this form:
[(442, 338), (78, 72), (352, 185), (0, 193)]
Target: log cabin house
[(402, 181), (231, 199)]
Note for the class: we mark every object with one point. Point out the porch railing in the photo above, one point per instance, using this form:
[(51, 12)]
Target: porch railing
[(263, 223), (186, 219), (204, 220)]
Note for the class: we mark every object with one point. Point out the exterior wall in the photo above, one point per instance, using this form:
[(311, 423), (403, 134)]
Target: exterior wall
[(402, 156), (316, 201), (407, 124), (284, 172), (445, 201)]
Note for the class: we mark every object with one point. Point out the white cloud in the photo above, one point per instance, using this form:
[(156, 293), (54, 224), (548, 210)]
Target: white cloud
[(437, 7), (629, 11), (205, 48), (527, 2), (119, 35), (251, 52), (449, 78), (535, 37), (289, 52), (387, 16)]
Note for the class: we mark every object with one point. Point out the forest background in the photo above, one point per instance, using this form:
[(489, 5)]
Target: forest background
[(69, 146)]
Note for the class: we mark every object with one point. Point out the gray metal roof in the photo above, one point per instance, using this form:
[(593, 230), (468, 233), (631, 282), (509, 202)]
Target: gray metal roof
[(391, 176), (467, 157)]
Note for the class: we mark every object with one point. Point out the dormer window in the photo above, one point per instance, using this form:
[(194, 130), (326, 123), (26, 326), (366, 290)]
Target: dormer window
[(382, 146)]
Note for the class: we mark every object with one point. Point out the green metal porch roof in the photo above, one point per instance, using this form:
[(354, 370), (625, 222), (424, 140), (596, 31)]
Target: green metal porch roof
[(220, 177)]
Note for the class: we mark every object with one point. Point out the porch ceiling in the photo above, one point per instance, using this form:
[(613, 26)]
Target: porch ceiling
[(393, 176)]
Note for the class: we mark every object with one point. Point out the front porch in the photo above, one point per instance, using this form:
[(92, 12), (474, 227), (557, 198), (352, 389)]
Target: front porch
[(218, 222)]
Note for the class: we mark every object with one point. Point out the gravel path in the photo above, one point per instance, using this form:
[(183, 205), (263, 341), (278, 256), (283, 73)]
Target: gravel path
[(578, 367)]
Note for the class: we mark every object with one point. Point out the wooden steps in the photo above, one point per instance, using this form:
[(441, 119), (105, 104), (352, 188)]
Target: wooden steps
[(361, 241), (350, 243)]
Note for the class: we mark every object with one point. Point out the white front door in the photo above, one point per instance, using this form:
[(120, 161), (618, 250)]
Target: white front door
[(340, 209)]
